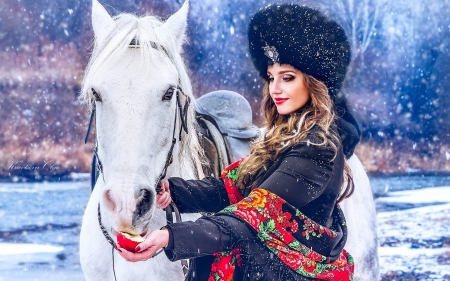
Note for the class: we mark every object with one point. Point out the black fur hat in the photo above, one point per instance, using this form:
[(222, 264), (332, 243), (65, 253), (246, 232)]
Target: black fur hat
[(302, 37), (306, 39)]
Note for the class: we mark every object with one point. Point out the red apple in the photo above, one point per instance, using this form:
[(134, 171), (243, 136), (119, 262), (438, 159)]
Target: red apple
[(128, 241)]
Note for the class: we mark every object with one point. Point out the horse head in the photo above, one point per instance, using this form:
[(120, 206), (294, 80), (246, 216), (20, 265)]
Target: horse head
[(135, 84)]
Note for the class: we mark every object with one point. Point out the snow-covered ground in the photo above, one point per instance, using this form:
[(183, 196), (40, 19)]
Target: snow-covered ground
[(14, 249), (40, 224), (415, 241)]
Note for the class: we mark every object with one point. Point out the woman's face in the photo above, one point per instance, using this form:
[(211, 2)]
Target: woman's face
[(287, 88)]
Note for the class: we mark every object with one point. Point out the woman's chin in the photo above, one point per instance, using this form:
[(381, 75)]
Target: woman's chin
[(283, 111), (286, 110)]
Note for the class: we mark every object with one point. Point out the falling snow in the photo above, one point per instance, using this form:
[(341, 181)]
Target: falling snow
[(397, 88)]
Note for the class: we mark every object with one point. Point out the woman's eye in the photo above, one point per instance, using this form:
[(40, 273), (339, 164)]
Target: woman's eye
[(288, 78), (270, 79), (96, 95)]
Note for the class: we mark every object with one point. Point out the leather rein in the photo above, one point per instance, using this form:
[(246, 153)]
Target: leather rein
[(169, 159)]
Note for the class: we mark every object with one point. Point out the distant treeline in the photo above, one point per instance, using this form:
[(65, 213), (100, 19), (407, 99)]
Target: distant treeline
[(397, 86)]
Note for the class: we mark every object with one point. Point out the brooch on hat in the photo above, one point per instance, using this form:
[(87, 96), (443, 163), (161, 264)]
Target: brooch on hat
[(271, 52)]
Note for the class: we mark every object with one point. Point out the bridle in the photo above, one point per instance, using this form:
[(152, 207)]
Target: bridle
[(169, 159)]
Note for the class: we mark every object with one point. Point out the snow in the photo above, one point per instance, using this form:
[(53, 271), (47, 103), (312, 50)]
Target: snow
[(426, 195), (41, 187), (410, 253), (418, 260), (7, 249), (416, 239)]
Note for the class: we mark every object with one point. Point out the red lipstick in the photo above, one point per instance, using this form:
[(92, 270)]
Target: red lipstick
[(279, 100)]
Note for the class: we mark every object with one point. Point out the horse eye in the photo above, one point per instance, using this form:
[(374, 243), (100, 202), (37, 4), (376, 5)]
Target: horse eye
[(96, 95), (168, 95)]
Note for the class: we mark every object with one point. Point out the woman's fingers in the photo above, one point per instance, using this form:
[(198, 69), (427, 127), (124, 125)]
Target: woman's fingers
[(140, 256), (161, 201), (144, 250), (163, 197), (165, 186), (166, 202), (154, 241)]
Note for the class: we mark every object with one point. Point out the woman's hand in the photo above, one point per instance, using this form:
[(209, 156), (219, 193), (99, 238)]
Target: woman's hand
[(163, 198), (154, 241)]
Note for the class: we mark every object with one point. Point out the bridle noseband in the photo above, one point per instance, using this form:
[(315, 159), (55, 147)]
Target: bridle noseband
[(169, 159)]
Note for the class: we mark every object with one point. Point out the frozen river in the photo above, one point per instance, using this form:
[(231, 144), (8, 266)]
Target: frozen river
[(40, 225)]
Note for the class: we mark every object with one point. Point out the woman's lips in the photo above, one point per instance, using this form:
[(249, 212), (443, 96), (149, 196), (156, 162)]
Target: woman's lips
[(279, 100)]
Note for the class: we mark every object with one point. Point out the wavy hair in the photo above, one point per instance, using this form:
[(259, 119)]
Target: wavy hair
[(284, 130)]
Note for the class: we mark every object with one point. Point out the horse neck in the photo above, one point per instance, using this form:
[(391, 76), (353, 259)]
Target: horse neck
[(188, 155)]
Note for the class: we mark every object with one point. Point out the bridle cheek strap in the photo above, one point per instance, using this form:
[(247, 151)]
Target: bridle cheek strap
[(86, 139), (183, 117)]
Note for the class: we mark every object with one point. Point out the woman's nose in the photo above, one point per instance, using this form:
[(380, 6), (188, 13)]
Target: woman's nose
[(274, 88)]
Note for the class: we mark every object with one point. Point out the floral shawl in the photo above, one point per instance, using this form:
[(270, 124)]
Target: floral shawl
[(285, 231)]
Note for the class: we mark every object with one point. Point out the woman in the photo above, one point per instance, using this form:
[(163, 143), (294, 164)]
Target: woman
[(277, 216)]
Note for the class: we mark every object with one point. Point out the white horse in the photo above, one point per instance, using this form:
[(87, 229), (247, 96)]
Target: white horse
[(135, 120), (360, 215), (134, 125)]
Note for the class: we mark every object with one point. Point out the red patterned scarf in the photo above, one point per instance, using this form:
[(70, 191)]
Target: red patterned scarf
[(286, 231)]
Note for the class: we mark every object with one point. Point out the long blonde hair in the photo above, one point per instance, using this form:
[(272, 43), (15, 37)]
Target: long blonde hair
[(284, 130)]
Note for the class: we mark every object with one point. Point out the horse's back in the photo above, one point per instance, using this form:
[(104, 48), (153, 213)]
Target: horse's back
[(360, 214)]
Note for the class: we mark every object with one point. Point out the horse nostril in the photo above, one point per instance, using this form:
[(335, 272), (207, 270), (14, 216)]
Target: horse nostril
[(144, 203), (109, 201)]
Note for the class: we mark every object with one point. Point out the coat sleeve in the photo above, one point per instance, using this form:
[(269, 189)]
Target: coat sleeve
[(203, 237), (302, 175), (193, 196)]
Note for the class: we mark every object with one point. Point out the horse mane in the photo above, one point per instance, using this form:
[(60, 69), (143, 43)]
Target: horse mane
[(145, 30)]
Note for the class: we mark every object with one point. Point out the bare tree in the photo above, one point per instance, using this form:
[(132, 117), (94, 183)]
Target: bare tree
[(359, 19)]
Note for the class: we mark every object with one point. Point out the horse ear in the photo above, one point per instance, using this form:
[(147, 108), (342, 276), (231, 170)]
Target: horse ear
[(177, 24), (102, 23)]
